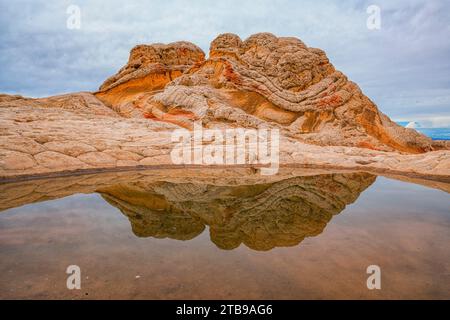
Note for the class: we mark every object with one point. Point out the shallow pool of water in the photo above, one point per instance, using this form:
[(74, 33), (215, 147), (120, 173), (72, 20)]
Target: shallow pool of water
[(298, 238)]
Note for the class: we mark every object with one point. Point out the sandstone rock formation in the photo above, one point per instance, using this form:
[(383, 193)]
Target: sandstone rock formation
[(149, 69), (80, 103), (264, 81)]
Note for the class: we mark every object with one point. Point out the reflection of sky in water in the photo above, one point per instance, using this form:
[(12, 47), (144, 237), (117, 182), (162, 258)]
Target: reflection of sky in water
[(403, 199)]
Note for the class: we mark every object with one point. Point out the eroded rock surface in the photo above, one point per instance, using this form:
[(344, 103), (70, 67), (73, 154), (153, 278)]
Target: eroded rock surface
[(149, 69), (264, 81), (280, 82), (44, 140)]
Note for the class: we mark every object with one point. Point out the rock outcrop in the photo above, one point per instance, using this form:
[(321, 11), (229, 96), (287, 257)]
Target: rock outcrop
[(79, 103), (262, 82), (149, 69)]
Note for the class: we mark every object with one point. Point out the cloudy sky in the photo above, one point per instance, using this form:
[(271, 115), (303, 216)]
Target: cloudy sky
[(404, 66)]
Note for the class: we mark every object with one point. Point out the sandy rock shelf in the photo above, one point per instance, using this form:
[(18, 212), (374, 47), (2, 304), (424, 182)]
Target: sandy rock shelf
[(51, 141)]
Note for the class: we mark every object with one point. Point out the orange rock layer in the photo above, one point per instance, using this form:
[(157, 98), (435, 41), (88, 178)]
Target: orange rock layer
[(264, 80)]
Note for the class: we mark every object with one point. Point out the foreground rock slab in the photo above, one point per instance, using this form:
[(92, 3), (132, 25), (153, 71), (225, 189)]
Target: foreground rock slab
[(49, 140)]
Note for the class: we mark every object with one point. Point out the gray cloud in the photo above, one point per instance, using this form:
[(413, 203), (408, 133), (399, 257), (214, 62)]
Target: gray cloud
[(404, 67)]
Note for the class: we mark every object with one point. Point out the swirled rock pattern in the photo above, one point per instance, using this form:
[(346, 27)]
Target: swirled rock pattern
[(149, 69), (280, 82), (263, 81)]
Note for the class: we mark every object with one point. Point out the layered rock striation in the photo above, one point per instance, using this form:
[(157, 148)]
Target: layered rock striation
[(262, 82), (149, 69)]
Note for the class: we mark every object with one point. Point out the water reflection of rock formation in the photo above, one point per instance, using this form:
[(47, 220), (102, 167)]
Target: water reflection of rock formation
[(261, 216)]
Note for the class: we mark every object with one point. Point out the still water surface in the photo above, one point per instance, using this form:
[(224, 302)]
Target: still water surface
[(299, 238)]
